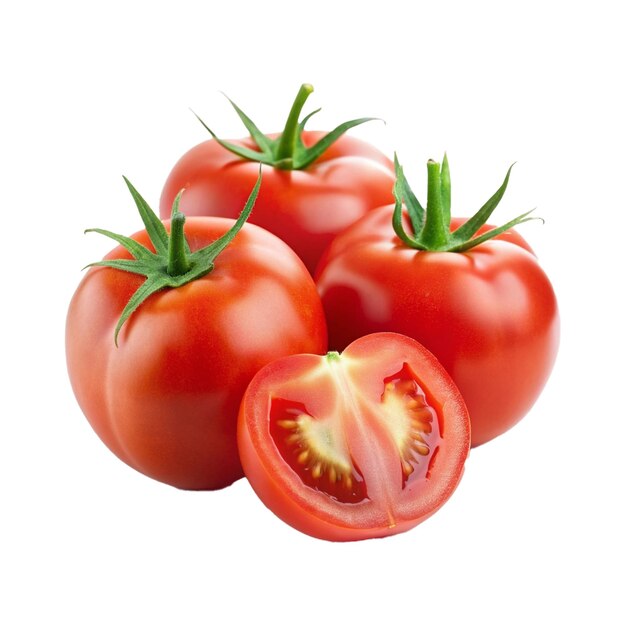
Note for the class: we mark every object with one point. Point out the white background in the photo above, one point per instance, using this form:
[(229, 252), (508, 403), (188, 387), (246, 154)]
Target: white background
[(535, 532)]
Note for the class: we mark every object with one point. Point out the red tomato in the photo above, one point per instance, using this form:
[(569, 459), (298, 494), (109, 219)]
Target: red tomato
[(489, 314), (166, 399), (305, 208), (363, 444), (305, 202)]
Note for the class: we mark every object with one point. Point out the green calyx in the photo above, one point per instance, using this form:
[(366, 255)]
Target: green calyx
[(333, 356), (172, 264), (287, 151), (431, 225)]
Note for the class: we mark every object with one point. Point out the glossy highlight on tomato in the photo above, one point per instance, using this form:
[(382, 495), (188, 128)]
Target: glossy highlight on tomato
[(356, 445)]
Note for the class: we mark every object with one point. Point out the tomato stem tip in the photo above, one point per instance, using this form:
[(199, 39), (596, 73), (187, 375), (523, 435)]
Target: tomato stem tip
[(289, 138), (178, 261)]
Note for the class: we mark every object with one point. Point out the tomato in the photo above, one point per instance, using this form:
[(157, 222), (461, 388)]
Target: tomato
[(305, 204), (363, 444), (487, 312), (165, 399)]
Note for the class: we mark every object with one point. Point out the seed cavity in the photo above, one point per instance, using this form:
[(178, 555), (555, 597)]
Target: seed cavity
[(410, 421), (314, 448)]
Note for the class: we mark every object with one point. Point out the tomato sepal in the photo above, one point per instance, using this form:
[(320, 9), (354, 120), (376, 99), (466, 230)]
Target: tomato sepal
[(172, 264), (285, 151), (431, 225)]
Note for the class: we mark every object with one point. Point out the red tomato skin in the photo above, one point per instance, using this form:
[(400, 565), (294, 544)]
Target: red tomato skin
[(165, 401), (274, 482), (306, 208), (271, 492), (490, 314)]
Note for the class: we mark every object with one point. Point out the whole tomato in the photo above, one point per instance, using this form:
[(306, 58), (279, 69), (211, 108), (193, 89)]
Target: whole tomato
[(349, 446), (164, 335), (315, 184), (474, 295)]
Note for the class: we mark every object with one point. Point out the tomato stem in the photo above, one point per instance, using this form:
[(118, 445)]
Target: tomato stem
[(288, 140), (435, 234), (178, 262), (446, 191)]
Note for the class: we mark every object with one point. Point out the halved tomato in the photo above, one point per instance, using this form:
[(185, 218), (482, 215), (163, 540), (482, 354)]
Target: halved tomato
[(362, 444)]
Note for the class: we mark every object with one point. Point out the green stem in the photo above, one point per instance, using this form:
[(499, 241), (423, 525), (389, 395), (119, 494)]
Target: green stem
[(289, 137), (333, 356), (178, 263), (446, 190), (435, 233)]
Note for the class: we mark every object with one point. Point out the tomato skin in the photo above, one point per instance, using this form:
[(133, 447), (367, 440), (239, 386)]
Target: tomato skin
[(306, 208), (165, 401), (389, 509), (489, 314)]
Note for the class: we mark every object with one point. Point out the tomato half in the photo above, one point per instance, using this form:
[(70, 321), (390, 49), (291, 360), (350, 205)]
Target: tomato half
[(363, 444), (489, 314), (165, 400)]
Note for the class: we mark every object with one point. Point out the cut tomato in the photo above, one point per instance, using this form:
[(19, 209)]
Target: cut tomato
[(349, 446)]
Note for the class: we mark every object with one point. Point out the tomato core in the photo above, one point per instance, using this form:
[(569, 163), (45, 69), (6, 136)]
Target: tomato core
[(316, 448)]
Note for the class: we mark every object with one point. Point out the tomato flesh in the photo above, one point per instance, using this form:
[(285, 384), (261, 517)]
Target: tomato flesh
[(360, 445)]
